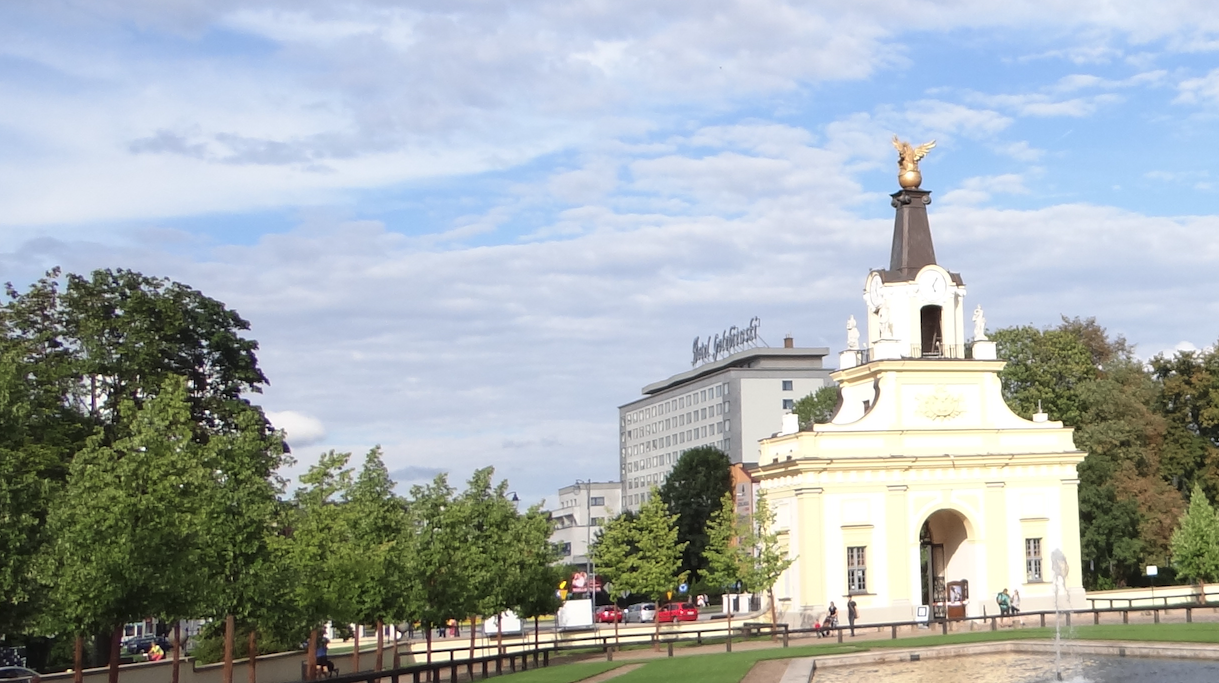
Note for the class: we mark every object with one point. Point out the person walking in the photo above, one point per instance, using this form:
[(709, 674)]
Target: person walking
[(852, 614)]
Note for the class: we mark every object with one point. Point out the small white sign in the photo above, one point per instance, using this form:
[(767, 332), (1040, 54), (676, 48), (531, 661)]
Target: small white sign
[(922, 613), (1152, 570)]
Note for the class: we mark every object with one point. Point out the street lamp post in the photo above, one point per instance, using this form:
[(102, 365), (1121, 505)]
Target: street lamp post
[(588, 536)]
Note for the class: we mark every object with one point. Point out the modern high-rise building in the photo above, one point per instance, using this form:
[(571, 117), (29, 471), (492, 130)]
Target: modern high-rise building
[(729, 403)]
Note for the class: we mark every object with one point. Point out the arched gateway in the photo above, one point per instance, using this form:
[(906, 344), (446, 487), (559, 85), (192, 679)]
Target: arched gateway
[(924, 489)]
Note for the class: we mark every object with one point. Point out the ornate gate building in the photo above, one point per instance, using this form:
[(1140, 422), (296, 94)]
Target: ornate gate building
[(924, 489)]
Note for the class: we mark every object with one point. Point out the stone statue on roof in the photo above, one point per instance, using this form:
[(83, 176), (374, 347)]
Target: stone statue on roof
[(852, 334), (979, 324)]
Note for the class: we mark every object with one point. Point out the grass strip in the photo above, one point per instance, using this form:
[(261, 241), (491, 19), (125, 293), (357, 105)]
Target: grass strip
[(567, 673)]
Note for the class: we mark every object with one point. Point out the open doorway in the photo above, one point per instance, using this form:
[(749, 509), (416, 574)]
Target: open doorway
[(945, 557), (932, 335)]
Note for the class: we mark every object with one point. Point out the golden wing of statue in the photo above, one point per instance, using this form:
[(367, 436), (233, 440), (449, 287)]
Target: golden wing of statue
[(921, 150)]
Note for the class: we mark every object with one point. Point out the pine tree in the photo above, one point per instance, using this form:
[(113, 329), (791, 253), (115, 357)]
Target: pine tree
[(1195, 544)]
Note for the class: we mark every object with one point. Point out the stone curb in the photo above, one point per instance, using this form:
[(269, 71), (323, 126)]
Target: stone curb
[(1074, 647)]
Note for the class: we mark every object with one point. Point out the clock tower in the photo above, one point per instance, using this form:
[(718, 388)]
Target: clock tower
[(916, 308)]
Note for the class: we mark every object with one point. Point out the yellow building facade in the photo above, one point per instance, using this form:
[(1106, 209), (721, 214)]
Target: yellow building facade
[(924, 489)]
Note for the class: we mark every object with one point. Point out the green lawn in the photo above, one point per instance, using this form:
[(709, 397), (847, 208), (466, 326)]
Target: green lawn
[(564, 673), (723, 667)]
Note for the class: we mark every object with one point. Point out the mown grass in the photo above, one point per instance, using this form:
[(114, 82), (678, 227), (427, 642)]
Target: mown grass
[(566, 673)]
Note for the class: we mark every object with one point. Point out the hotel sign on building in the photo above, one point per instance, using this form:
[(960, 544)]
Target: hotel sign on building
[(730, 403)]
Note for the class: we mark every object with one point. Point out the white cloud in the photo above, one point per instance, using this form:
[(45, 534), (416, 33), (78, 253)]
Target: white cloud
[(300, 429)]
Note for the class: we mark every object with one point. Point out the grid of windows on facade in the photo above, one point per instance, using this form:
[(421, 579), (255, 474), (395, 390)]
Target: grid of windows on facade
[(654, 437), (857, 570), (1032, 559)]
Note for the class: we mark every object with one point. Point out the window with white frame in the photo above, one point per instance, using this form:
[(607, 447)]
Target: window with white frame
[(857, 570), (1032, 559)]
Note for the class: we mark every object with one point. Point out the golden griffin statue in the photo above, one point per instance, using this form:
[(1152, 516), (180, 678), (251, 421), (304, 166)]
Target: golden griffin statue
[(908, 175)]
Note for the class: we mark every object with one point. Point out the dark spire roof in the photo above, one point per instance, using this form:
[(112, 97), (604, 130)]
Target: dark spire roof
[(912, 245)]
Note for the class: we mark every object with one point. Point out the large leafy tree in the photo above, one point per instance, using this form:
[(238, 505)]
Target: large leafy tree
[(692, 492), (817, 408), (490, 557), (127, 531), (81, 349), (642, 555), (1195, 545), (767, 559)]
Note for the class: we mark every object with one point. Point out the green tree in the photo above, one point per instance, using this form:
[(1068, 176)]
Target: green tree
[(768, 559), (1195, 545), (376, 517), (322, 549), (532, 577), (643, 555), (126, 531), (489, 554), (727, 557), (692, 491), (439, 583), (1190, 402), (818, 407), (1044, 368)]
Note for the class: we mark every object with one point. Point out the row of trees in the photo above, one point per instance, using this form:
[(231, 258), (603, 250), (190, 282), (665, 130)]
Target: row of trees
[(641, 553), (136, 480)]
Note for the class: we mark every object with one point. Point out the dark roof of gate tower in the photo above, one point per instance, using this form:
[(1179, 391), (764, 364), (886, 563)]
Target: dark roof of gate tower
[(912, 244)]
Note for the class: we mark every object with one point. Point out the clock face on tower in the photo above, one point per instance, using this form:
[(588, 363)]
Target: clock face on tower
[(873, 295), (932, 284)]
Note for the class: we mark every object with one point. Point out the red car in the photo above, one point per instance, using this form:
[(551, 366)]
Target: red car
[(608, 614), (677, 611)]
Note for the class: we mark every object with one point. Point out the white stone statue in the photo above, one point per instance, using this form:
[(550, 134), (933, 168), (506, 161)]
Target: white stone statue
[(882, 318), (979, 324), (852, 334)]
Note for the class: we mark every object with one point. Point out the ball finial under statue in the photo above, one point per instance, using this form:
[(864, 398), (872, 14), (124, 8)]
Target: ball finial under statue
[(908, 175)]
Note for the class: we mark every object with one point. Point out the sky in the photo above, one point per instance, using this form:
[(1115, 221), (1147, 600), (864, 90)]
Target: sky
[(468, 230)]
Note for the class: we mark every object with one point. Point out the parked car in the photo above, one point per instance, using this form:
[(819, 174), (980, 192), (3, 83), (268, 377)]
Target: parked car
[(140, 644), (608, 614), (677, 611), (640, 613), (18, 674)]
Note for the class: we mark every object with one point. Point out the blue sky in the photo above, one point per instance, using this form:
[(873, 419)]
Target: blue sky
[(468, 231)]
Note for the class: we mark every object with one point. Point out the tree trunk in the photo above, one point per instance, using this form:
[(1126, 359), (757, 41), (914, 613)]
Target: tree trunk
[(311, 657), (617, 618), (536, 638), (355, 651), (252, 655), (175, 675), (398, 648), (730, 625), (499, 634), (429, 649), (115, 639), (78, 660), (472, 623), (774, 617), (380, 661), (230, 625)]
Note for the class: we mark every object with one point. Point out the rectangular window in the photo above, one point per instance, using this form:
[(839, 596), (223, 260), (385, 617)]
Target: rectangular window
[(598, 521), (857, 570), (787, 385), (703, 414), (788, 404), (681, 402), (702, 395), (719, 390), (1032, 559)]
